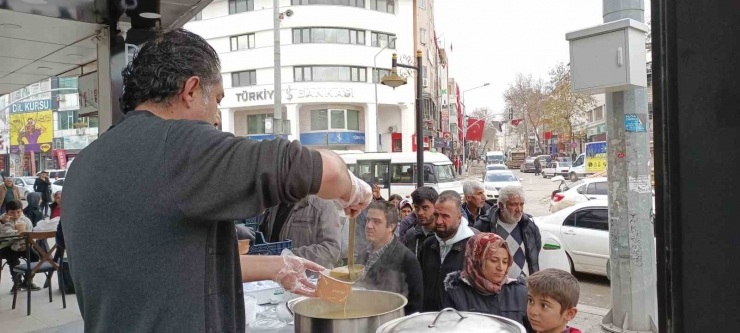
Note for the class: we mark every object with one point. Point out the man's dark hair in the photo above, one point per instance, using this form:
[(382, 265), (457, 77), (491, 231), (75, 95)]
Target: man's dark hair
[(389, 210), (164, 63), (453, 196), (424, 193), (394, 197), (13, 205)]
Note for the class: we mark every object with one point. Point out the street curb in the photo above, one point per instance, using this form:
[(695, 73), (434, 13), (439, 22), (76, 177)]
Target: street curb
[(592, 310)]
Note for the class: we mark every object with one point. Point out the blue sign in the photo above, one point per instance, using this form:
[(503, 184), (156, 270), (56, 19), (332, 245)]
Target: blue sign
[(634, 123), (31, 106), (332, 138), (260, 137)]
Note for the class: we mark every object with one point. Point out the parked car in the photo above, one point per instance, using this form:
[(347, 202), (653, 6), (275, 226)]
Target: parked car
[(25, 185), (584, 232), (493, 181), (57, 185), (528, 165), (553, 169), (583, 190), (495, 167), (54, 174)]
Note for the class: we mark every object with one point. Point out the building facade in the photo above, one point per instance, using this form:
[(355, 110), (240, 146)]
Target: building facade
[(333, 54)]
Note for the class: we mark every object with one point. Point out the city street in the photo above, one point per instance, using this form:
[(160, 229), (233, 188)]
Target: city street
[(594, 288)]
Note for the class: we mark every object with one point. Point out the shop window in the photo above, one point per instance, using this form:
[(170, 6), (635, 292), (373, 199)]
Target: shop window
[(328, 35), (379, 39), (256, 123), (352, 3), (397, 145), (240, 6), (242, 42), (243, 79), (336, 119)]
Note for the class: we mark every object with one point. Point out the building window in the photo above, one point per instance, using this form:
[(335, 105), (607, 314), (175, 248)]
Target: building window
[(336, 119), (379, 39), (352, 3), (240, 6), (387, 6), (68, 82), (599, 113), (329, 73), (67, 119), (379, 73), (423, 36), (256, 123), (242, 42), (328, 35), (197, 17), (243, 79), (422, 4)]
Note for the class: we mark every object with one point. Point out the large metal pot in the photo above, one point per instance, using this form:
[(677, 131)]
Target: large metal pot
[(451, 321), (366, 311)]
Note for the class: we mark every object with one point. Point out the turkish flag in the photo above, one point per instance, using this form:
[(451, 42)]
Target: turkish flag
[(516, 122), (475, 129), (548, 135)]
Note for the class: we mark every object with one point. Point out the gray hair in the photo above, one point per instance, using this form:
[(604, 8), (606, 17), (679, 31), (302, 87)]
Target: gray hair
[(453, 196), (469, 187), (507, 193), (159, 70)]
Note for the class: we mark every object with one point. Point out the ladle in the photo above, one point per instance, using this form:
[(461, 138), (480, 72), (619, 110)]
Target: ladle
[(351, 272)]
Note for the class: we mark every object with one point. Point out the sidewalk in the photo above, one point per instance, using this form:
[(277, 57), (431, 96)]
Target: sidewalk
[(588, 319)]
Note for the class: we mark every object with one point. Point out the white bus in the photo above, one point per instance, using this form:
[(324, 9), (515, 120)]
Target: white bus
[(495, 157), (395, 172)]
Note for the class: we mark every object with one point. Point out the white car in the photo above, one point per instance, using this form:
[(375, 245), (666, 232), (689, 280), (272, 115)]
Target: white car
[(584, 231), (25, 185), (583, 190), (493, 181), (556, 168), (496, 167)]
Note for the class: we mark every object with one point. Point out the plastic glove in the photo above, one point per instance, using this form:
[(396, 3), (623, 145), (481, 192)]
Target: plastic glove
[(292, 277), (359, 197)]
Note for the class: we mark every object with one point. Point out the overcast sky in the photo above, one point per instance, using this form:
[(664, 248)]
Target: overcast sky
[(493, 40)]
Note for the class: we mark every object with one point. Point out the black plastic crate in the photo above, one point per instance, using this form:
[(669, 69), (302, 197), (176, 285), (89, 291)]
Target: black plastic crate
[(262, 247)]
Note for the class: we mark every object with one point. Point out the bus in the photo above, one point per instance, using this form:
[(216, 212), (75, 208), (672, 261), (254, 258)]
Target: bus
[(495, 157), (395, 172)]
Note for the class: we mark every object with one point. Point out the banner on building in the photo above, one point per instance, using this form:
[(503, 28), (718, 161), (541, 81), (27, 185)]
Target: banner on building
[(32, 126), (475, 129), (596, 157), (88, 93), (61, 156)]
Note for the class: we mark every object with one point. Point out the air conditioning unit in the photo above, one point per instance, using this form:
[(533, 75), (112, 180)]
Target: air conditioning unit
[(426, 83), (392, 129), (61, 98)]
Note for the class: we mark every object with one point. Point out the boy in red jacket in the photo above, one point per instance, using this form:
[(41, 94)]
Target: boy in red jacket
[(552, 297)]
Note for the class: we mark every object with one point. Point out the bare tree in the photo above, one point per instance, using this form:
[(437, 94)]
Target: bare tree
[(564, 108), (528, 98)]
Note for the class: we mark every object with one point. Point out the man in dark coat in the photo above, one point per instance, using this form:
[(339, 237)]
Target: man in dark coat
[(443, 253), (388, 264), (509, 221), (420, 223), (475, 204), (42, 186)]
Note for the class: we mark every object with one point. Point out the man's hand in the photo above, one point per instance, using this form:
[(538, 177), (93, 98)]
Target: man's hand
[(5, 218), (358, 198), (292, 277)]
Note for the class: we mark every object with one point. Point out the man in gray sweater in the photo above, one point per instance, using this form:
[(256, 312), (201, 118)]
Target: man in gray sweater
[(164, 258)]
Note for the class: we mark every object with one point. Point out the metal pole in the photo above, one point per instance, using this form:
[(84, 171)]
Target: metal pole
[(465, 133), (631, 240), (278, 110), (419, 127)]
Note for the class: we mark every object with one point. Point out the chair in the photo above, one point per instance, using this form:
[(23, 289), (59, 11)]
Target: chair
[(45, 265)]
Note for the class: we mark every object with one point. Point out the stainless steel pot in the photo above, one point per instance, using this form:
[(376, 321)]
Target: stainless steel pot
[(366, 311), (451, 321)]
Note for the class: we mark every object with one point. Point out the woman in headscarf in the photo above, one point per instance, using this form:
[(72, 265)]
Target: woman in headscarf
[(483, 285)]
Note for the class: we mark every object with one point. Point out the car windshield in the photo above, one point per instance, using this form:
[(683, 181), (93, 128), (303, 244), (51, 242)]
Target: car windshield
[(445, 173), (500, 177), (563, 164), (496, 167)]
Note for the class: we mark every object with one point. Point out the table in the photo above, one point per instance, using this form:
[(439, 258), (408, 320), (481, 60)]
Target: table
[(267, 311)]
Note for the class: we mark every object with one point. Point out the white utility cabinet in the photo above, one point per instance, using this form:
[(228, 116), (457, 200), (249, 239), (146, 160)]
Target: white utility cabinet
[(608, 57)]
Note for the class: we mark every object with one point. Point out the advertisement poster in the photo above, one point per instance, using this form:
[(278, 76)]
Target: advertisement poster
[(61, 158), (595, 157), (32, 126)]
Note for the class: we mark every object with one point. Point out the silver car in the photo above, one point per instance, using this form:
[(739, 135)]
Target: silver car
[(25, 185)]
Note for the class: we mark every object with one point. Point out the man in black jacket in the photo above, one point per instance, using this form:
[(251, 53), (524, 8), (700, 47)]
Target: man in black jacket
[(420, 228), (42, 185), (443, 253), (475, 204), (509, 221), (389, 265)]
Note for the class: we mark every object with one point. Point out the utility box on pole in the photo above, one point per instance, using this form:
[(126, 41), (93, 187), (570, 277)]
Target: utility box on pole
[(608, 57)]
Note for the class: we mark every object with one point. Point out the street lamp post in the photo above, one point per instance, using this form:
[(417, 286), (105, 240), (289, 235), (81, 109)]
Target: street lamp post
[(377, 108), (394, 80), (465, 123)]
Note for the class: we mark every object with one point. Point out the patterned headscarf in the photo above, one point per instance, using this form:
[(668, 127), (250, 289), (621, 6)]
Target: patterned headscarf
[(480, 248)]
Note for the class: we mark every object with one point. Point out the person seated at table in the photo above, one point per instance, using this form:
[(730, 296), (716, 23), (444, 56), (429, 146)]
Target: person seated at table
[(389, 265), (483, 284), (13, 250), (33, 210)]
